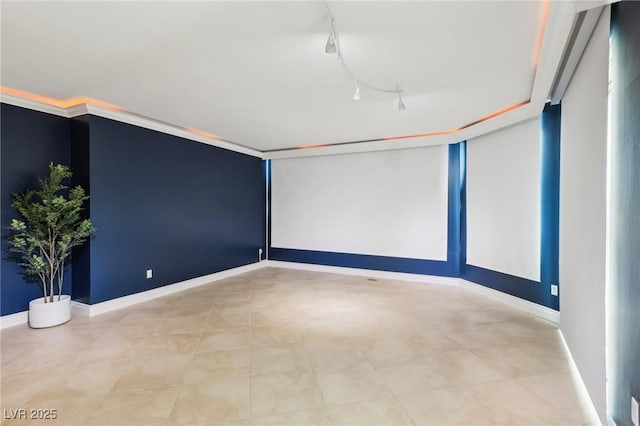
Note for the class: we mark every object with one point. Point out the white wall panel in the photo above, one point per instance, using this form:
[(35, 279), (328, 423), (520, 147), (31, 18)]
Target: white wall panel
[(391, 203), (583, 177), (503, 200)]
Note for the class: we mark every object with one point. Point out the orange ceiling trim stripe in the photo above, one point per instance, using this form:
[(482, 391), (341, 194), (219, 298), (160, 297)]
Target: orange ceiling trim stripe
[(546, 7), (68, 103)]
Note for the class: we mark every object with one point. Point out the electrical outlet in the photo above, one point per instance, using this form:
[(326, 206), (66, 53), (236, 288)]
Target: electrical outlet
[(554, 289), (149, 273), (635, 412)]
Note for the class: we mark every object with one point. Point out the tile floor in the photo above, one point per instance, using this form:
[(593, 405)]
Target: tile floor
[(286, 347)]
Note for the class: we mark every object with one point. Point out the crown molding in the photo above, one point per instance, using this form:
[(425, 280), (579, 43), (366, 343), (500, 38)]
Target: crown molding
[(124, 117), (149, 123), (6, 98)]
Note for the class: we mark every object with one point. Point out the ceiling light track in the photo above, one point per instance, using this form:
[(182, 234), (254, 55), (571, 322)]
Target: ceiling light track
[(333, 48)]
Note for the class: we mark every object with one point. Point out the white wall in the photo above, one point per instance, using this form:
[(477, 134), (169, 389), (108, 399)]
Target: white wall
[(583, 214), (391, 203), (503, 200)]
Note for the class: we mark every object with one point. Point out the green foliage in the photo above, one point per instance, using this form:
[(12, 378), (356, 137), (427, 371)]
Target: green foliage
[(41, 243)]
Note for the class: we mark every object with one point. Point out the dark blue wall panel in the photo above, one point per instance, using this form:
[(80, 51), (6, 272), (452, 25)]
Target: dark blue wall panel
[(362, 261), (29, 141), (550, 205), (179, 207), (623, 333)]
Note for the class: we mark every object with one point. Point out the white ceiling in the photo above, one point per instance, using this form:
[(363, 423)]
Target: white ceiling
[(255, 73)]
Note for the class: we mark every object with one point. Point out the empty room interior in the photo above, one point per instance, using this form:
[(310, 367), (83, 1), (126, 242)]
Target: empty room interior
[(320, 213)]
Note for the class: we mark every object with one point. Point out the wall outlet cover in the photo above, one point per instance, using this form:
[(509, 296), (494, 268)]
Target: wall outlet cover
[(635, 412), (149, 273), (554, 290)]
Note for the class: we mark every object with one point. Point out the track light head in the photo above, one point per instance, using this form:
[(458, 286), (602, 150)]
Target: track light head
[(331, 48), (356, 95), (401, 105)]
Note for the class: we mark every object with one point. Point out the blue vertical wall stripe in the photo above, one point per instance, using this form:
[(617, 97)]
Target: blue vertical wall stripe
[(268, 177), (550, 203), (454, 210), (463, 204)]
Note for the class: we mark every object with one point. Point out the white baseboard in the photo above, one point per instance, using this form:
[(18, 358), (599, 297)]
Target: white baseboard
[(369, 273), (145, 296), (12, 320), (84, 309), (515, 302), (583, 393)]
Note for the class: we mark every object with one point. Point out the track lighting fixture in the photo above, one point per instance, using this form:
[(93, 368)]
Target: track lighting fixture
[(333, 47)]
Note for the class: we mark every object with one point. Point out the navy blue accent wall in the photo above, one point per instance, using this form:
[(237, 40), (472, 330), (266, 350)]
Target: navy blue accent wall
[(550, 204), (179, 207), (29, 141), (623, 340), (448, 268)]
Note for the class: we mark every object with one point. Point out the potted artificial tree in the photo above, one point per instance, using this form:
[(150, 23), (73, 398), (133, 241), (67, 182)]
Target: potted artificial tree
[(41, 243)]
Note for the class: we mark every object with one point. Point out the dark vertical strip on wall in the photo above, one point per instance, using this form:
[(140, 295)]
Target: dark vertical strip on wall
[(463, 205), (268, 177), (455, 208), (80, 134), (550, 203), (623, 309), (29, 141)]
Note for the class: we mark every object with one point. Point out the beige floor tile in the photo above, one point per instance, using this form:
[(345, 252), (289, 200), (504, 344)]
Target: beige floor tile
[(385, 349), (511, 403), (380, 412), (161, 371), (523, 359), (265, 336), (443, 407), (315, 417), (278, 359), (206, 366), (164, 344), (86, 379), (148, 407), (357, 384), (182, 324), (219, 340), (431, 342), (412, 378), (332, 354), (477, 336), (463, 368), (17, 389), (559, 390), (215, 401), (280, 393)]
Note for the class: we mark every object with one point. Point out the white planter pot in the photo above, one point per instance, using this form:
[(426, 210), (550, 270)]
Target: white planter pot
[(43, 315)]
